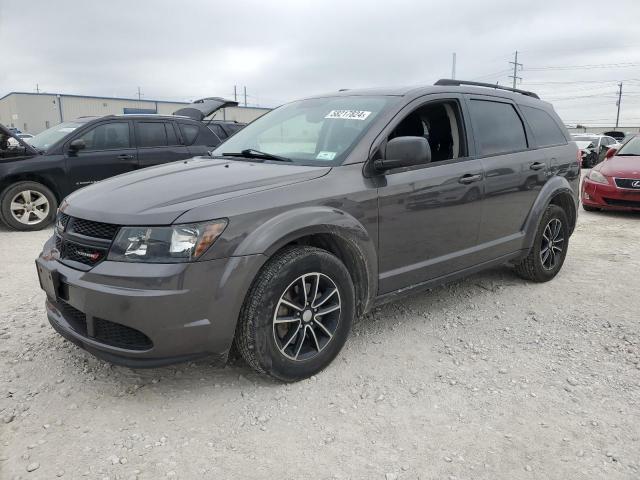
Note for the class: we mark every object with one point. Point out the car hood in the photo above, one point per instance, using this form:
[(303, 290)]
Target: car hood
[(204, 107), (625, 167), (5, 132), (159, 195)]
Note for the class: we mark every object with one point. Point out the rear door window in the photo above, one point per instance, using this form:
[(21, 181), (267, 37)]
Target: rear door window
[(497, 127), (544, 128), (151, 134)]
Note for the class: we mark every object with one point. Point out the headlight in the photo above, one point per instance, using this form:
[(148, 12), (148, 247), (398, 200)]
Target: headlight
[(177, 243), (596, 176)]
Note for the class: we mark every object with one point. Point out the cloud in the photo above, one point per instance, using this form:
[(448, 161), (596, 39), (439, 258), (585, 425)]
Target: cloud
[(286, 50)]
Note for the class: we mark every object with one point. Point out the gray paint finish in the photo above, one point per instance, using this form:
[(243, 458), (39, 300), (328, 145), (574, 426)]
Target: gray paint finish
[(407, 229)]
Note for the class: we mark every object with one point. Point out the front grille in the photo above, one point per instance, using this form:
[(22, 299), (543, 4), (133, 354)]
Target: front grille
[(83, 241), (628, 183), (120, 335), (82, 254), (615, 202), (88, 228)]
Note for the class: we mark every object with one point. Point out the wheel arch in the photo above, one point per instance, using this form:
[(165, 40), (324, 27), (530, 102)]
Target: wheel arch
[(556, 191), (10, 180), (330, 229)]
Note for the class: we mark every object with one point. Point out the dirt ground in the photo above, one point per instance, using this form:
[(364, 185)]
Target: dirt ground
[(486, 378)]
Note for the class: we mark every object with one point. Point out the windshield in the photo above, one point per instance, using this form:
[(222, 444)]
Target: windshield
[(632, 147), (318, 131), (44, 140)]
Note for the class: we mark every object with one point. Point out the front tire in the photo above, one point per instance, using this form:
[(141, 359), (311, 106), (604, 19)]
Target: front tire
[(297, 314), (546, 257), (27, 206)]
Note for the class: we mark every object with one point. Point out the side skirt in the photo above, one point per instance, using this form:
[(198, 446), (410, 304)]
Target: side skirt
[(435, 282)]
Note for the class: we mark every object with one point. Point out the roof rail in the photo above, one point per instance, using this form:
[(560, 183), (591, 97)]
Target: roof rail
[(457, 83)]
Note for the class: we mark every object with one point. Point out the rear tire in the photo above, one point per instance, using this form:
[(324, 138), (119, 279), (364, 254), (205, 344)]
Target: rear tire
[(290, 343), (27, 206), (546, 257)]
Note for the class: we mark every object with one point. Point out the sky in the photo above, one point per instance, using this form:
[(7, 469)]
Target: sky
[(574, 53)]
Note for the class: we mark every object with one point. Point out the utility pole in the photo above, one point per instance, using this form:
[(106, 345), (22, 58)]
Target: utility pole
[(139, 94), (235, 93), (618, 103), (37, 88), (245, 96), (453, 66), (515, 70)]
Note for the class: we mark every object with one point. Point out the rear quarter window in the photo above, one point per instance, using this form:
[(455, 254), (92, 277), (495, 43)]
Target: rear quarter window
[(544, 128), (189, 132)]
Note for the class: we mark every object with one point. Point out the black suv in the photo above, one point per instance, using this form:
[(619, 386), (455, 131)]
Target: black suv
[(311, 215), (36, 176)]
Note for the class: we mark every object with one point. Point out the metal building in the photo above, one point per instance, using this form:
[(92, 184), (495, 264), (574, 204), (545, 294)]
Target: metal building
[(35, 112)]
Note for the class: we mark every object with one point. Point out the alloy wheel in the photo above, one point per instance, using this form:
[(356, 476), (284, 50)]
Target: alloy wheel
[(307, 316), (552, 244), (29, 207)]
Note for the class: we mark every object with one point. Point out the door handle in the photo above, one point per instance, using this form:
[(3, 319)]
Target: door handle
[(124, 156), (537, 166), (470, 178)]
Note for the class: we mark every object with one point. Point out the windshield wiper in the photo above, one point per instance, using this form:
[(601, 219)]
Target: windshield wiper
[(253, 153), (627, 154)]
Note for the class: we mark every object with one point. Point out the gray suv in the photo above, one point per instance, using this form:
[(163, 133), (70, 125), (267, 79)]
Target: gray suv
[(308, 217)]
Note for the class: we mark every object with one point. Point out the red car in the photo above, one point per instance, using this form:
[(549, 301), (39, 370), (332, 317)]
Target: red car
[(614, 184)]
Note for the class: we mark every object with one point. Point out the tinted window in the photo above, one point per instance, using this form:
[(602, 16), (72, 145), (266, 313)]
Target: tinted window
[(151, 134), (107, 136), (545, 129), (190, 132), (497, 127), (172, 139)]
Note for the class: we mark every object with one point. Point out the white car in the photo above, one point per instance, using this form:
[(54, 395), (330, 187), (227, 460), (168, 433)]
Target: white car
[(601, 144), (23, 136)]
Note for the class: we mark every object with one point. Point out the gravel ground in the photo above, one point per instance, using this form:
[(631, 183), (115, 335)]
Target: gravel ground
[(486, 378)]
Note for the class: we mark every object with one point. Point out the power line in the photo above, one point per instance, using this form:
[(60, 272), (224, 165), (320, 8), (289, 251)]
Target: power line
[(583, 67)]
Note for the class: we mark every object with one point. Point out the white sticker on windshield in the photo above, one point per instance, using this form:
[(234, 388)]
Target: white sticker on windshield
[(67, 129), (326, 156), (348, 114)]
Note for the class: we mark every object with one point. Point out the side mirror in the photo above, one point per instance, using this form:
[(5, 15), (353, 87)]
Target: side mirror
[(404, 152), (610, 153), (77, 145)]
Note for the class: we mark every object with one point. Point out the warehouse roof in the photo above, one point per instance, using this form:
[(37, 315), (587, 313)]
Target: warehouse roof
[(91, 96)]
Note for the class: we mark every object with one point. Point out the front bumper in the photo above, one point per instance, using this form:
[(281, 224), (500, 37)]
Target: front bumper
[(148, 315), (609, 196)]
